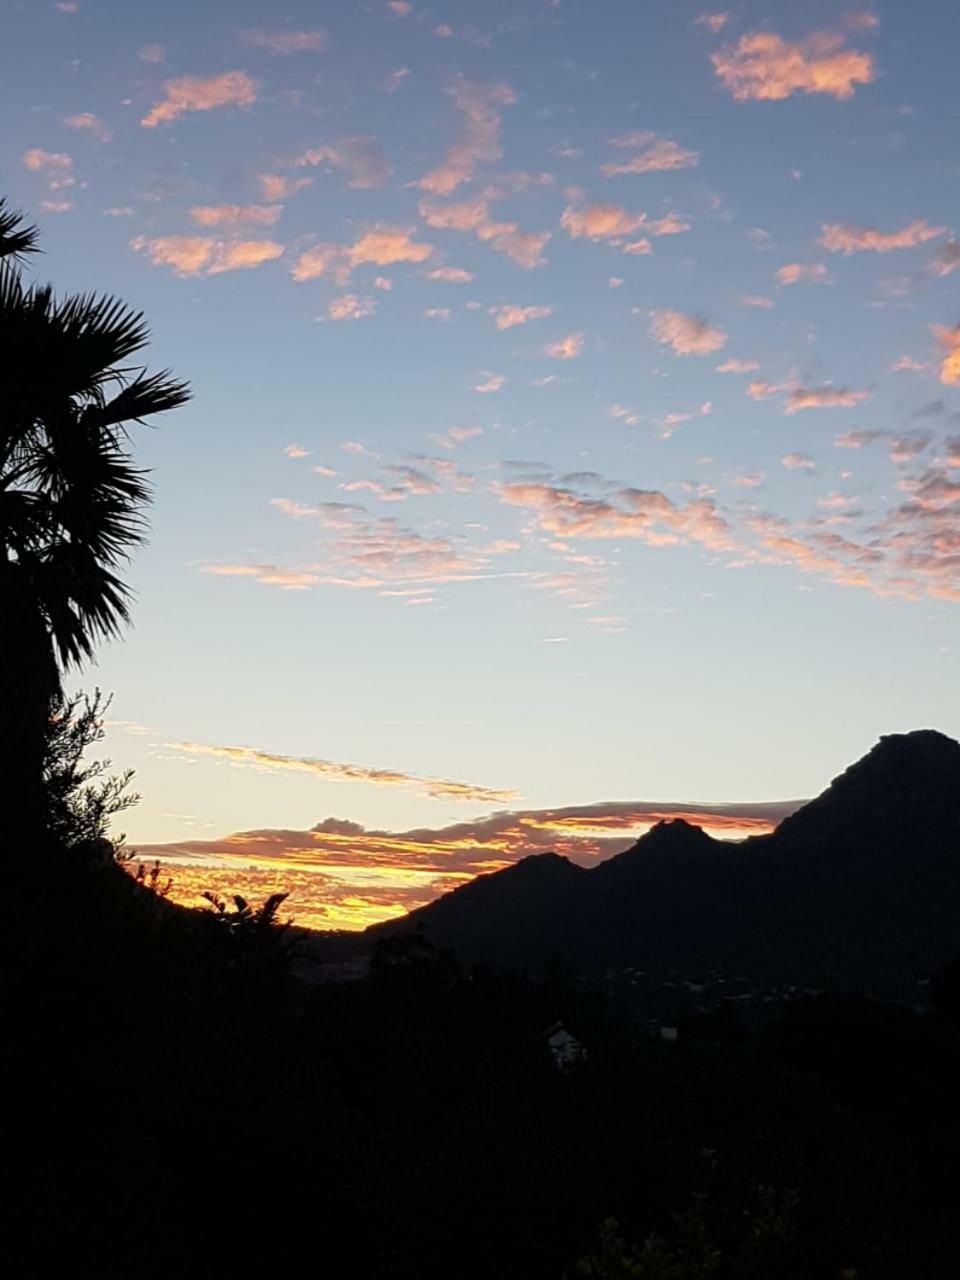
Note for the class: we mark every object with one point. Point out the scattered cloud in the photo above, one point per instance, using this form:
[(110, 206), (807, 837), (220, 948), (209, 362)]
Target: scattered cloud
[(152, 53), (567, 348), (798, 273), (946, 259), (844, 237), (274, 186), (361, 158), (450, 275), (687, 335), (91, 124), (714, 22), (756, 301), (479, 105), (509, 315), (350, 307), (600, 222), (908, 364), (204, 255), (296, 451), (491, 382), (825, 397), (284, 43), (525, 248), (798, 462), (236, 215), (737, 366), (456, 436), (763, 66), (193, 93), (653, 155), (56, 167), (949, 342), (382, 246)]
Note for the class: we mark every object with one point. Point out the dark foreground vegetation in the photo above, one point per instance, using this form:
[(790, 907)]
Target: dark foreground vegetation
[(182, 1096)]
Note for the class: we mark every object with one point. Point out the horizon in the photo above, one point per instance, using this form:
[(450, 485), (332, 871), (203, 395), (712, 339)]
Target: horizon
[(565, 424)]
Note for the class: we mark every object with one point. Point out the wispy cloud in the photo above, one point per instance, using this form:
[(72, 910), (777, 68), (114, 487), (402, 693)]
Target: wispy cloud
[(204, 255), (600, 222), (193, 93), (236, 215), (382, 246), (91, 124), (285, 43), (844, 237), (274, 186), (350, 307), (361, 158), (800, 273), (479, 104), (762, 65), (509, 315), (525, 248), (653, 155), (567, 348), (335, 771)]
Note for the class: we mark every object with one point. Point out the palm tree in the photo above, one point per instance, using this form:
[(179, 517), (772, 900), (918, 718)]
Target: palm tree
[(71, 499)]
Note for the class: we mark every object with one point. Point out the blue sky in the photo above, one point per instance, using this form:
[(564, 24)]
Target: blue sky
[(576, 410)]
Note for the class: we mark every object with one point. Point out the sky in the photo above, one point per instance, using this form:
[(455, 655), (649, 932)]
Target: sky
[(576, 432)]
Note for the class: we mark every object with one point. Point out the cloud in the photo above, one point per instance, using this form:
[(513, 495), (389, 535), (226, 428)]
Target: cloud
[(567, 348), (907, 364), (525, 248), (56, 167), (91, 124), (714, 22), (949, 341), (479, 105), (737, 366), (341, 875), (946, 259), (203, 255), (756, 301), (153, 53), (296, 451), (600, 222), (450, 275), (763, 66), (653, 155), (671, 225), (382, 245), (402, 8), (509, 315), (361, 158), (797, 273), (492, 382), (858, 438), (285, 43), (824, 397), (273, 186), (236, 215), (456, 436), (844, 237), (56, 206), (350, 307), (191, 93), (798, 462), (687, 335), (334, 771)]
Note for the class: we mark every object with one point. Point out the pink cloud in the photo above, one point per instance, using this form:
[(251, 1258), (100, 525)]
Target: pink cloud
[(230, 215), (798, 462), (350, 307), (478, 103), (737, 366), (192, 93), (492, 382), (285, 43), (797, 273), (203, 255), (274, 186), (763, 66), (756, 301), (653, 155), (947, 259), (509, 315), (687, 335), (825, 397), (56, 167), (714, 22), (382, 246), (525, 248), (450, 275), (361, 158), (949, 341), (844, 237), (567, 348), (92, 124), (600, 222)]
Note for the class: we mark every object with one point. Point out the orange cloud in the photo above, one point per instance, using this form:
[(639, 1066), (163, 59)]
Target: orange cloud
[(220, 215), (600, 222), (825, 397), (56, 166), (797, 273), (478, 103), (844, 237), (437, 788), (509, 315), (687, 335), (191, 93), (567, 348), (203, 255), (654, 155), (274, 187), (525, 248), (949, 340), (91, 124), (361, 158), (350, 307), (763, 66), (286, 42), (381, 246)]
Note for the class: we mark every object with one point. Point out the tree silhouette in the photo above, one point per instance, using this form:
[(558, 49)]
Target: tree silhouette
[(71, 499)]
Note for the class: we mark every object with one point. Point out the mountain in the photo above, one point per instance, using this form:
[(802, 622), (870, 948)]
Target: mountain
[(859, 889)]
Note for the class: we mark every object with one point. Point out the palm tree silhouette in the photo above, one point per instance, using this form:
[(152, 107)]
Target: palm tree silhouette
[(71, 499)]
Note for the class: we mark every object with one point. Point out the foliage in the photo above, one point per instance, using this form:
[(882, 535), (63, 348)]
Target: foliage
[(82, 796)]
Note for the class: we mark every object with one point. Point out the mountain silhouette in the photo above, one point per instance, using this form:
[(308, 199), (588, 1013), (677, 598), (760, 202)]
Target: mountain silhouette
[(859, 889)]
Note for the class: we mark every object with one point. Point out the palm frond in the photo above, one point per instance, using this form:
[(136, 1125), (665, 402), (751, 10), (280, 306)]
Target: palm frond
[(17, 236), (140, 399)]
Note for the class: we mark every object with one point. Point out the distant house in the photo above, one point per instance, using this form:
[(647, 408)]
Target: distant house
[(565, 1049)]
